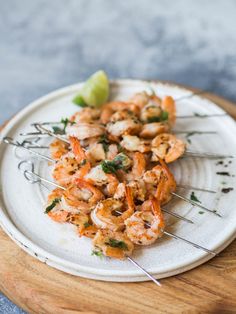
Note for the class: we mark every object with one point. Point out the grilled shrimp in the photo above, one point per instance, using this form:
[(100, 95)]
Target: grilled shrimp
[(138, 189), (138, 167), (110, 108), (95, 152), (58, 148), (149, 112), (85, 130), (80, 156), (54, 208), (160, 182), (167, 147), (150, 130), (111, 213), (133, 143), (166, 185), (107, 181), (113, 244), (168, 105), (86, 115), (128, 126), (140, 99), (112, 151), (145, 226), (80, 196), (66, 169), (71, 165), (84, 227)]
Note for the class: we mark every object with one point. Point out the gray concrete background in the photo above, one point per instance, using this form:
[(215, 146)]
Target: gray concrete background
[(46, 44)]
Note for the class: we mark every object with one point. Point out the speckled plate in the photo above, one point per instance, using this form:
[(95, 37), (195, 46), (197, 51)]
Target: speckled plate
[(23, 219)]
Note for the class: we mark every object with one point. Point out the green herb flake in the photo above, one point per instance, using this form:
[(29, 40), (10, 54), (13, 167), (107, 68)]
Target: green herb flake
[(52, 205), (194, 198), (223, 183), (121, 161), (83, 162), (201, 212), (57, 130), (199, 115), (117, 244), (120, 148), (78, 100), (97, 253), (163, 117), (109, 166), (87, 224), (153, 119), (105, 142)]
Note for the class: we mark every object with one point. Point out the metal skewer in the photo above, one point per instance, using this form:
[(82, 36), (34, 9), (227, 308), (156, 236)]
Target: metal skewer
[(189, 153), (9, 140), (172, 235), (196, 204), (189, 187), (194, 132), (143, 270), (40, 128), (186, 154), (202, 116), (189, 95)]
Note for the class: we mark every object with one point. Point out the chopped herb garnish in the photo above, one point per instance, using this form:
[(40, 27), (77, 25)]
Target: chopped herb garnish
[(223, 173), (105, 142), (226, 190), (194, 198), (78, 100), (58, 130), (97, 253), (201, 212), (199, 115), (153, 119), (163, 117), (87, 224), (120, 148), (223, 183), (109, 166), (61, 131), (121, 161), (52, 205), (83, 162), (118, 244)]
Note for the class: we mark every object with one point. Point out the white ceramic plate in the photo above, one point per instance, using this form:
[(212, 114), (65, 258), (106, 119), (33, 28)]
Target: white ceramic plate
[(23, 219)]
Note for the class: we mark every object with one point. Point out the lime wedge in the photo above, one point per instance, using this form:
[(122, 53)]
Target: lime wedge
[(94, 92)]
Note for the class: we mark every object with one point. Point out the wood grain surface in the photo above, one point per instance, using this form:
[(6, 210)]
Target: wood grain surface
[(37, 288)]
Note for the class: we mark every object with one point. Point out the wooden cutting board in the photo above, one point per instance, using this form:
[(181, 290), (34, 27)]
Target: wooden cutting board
[(37, 288)]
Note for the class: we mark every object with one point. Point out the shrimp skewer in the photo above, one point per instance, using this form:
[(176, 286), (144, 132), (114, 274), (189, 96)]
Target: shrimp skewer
[(145, 226), (143, 145)]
